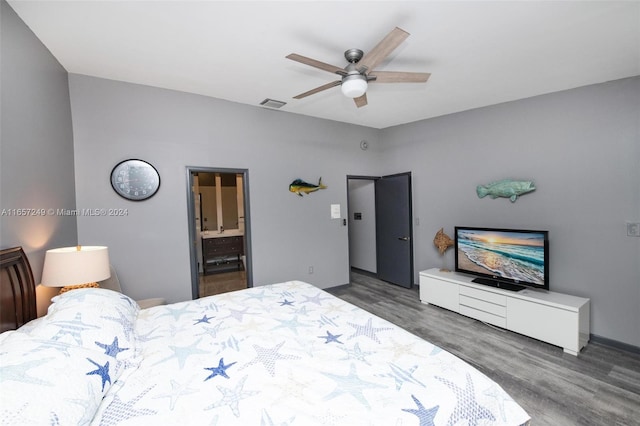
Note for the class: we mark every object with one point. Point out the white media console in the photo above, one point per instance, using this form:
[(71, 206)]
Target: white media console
[(555, 318)]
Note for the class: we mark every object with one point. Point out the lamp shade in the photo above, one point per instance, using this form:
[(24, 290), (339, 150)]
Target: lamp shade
[(69, 266), (354, 85)]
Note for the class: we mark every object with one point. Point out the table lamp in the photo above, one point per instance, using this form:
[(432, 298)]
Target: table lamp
[(75, 267)]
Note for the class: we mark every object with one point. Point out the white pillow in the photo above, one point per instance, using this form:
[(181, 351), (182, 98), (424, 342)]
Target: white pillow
[(56, 369), (52, 384), (93, 318)]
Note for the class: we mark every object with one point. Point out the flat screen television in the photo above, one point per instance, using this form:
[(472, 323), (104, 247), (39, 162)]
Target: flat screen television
[(512, 259)]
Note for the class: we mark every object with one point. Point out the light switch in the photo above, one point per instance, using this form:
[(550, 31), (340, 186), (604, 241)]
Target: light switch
[(335, 211)]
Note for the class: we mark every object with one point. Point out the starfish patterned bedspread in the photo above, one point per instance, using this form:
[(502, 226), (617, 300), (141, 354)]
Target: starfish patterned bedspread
[(281, 354)]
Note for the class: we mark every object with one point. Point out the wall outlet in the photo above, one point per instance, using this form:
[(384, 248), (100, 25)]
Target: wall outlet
[(633, 229), (310, 269)]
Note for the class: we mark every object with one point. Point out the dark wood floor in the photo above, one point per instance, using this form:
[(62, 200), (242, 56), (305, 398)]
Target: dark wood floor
[(222, 283), (599, 387)]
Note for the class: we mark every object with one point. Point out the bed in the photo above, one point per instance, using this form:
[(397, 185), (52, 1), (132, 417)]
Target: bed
[(281, 354)]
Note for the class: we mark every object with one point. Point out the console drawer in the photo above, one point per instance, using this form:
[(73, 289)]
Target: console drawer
[(482, 305), (487, 317), (497, 299)]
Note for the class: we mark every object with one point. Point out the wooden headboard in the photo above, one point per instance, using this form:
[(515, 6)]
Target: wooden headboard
[(17, 289)]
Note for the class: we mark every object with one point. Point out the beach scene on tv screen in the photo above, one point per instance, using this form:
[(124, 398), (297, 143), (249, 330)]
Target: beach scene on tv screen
[(513, 255)]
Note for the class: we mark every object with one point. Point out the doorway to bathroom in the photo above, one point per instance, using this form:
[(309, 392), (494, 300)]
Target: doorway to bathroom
[(219, 230)]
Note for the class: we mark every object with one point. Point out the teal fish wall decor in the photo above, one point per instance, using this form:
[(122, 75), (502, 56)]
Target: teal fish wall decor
[(506, 188), (299, 186)]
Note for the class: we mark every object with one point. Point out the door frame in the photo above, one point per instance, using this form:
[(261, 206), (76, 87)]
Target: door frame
[(375, 178), (193, 260)]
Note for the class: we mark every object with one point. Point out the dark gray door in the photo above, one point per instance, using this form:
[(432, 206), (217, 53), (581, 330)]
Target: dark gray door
[(393, 229)]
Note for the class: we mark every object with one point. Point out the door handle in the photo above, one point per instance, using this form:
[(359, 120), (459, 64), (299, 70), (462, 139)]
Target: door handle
[(403, 238)]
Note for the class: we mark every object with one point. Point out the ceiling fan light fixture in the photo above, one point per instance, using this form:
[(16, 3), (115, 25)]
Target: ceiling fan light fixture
[(362, 69), (354, 85)]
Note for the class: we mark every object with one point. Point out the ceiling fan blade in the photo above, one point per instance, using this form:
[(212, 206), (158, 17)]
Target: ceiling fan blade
[(399, 77), (316, 64), (318, 89), (361, 100), (387, 45)]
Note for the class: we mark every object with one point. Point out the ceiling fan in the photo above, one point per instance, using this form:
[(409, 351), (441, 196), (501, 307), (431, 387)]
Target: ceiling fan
[(361, 69)]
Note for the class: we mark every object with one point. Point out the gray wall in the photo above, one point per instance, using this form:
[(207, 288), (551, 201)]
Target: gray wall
[(113, 121), (36, 146), (581, 147)]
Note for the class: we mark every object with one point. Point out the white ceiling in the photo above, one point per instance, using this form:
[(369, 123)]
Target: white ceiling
[(478, 52)]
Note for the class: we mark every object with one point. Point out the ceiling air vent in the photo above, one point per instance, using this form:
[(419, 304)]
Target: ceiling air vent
[(271, 103)]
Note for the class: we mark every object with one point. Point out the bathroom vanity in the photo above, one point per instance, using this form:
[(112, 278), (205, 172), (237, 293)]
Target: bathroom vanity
[(222, 252)]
